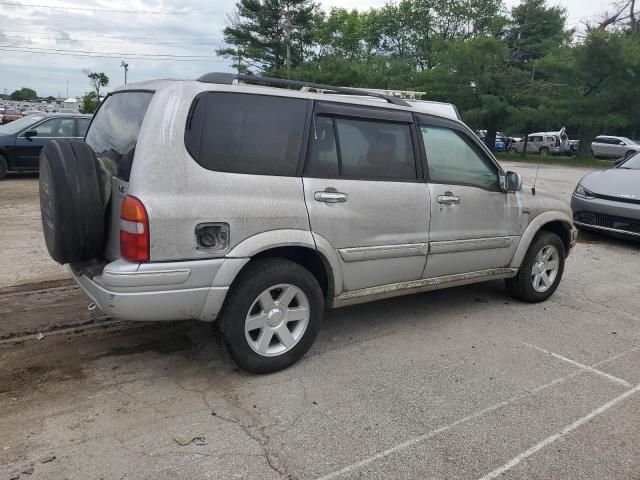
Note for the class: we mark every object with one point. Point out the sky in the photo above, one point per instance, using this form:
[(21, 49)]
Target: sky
[(41, 40)]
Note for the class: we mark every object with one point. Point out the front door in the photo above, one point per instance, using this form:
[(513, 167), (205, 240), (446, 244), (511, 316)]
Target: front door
[(474, 224), (365, 196), (27, 153)]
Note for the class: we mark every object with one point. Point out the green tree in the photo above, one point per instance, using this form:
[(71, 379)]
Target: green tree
[(536, 29), (90, 102), (97, 80), (594, 84), (24, 94), (263, 34)]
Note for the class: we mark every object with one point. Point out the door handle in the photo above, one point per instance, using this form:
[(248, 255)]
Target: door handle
[(448, 199), (330, 197)]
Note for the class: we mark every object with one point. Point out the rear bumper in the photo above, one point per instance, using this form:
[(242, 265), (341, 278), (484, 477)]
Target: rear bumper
[(161, 291)]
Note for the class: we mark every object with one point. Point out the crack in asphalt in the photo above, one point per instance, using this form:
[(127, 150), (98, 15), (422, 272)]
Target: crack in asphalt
[(263, 439)]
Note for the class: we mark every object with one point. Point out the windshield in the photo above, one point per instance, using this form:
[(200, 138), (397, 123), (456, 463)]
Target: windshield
[(627, 141), (114, 131), (633, 163), (20, 124)]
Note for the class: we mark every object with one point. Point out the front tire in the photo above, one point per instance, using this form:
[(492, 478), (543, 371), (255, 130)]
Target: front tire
[(541, 269), (544, 151), (272, 315)]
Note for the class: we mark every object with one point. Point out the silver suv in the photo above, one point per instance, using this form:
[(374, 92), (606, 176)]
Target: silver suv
[(544, 143), (613, 147), (257, 207)]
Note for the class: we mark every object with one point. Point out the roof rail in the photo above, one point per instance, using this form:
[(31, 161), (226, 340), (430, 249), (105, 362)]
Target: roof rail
[(229, 78)]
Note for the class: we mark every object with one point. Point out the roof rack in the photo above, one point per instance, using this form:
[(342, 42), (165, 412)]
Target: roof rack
[(229, 78)]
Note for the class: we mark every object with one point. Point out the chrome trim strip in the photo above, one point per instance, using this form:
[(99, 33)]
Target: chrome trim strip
[(606, 229), (358, 254), (423, 285), (453, 246)]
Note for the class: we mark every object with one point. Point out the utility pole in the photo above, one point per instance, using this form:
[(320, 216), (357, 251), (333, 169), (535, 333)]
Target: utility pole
[(67, 88), (126, 69)]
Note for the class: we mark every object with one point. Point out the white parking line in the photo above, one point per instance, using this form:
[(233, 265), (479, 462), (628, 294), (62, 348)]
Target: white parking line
[(468, 418), (577, 364), (539, 446)]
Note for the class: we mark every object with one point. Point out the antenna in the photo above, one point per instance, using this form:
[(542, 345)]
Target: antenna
[(533, 189)]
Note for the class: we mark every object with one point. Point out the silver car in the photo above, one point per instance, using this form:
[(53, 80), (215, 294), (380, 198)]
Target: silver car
[(256, 207), (609, 201), (613, 147)]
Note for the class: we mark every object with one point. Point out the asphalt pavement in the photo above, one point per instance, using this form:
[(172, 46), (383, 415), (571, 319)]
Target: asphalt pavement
[(459, 383)]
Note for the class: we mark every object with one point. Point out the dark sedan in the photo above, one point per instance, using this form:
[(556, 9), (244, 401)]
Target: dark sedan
[(609, 201), (22, 140)]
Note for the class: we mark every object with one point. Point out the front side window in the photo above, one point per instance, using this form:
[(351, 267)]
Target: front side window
[(56, 127), (452, 159), (243, 133), (360, 149)]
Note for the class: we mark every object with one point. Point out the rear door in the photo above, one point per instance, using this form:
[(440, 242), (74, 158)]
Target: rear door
[(365, 194), (474, 224), (112, 137)]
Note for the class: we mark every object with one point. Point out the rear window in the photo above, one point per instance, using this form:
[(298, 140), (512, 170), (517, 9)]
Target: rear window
[(115, 128), (243, 133)]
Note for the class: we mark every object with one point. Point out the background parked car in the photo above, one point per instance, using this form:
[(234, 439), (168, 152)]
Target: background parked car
[(10, 116), (613, 147), (609, 201), (544, 143), (22, 140)]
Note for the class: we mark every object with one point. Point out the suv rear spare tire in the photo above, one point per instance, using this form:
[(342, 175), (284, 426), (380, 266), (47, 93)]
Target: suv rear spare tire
[(71, 201)]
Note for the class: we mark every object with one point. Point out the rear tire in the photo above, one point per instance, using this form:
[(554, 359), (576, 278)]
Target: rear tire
[(544, 151), (71, 201), (3, 167), (541, 269), (283, 302)]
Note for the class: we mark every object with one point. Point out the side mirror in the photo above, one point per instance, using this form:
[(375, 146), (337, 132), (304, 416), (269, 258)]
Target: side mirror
[(513, 182), (30, 133)]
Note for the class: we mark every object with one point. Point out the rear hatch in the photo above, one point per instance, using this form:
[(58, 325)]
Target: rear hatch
[(113, 135)]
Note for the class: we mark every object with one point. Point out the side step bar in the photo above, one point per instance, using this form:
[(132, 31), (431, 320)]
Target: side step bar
[(423, 285)]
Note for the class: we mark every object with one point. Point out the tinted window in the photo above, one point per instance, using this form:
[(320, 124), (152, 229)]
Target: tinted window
[(323, 154), (375, 149), (83, 124), (56, 127), (241, 133), (114, 131), (452, 159)]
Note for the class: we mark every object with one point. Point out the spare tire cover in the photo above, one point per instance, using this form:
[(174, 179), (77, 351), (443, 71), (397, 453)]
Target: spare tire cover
[(71, 201)]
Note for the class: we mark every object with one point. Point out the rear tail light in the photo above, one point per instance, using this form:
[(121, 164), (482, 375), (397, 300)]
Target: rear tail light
[(134, 230)]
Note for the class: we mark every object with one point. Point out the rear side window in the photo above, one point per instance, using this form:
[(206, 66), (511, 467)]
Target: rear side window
[(83, 124), (360, 149), (243, 133), (115, 128)]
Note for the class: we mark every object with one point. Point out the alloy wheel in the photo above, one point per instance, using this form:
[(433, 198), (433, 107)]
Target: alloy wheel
[(277, 320), (545, 268)]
